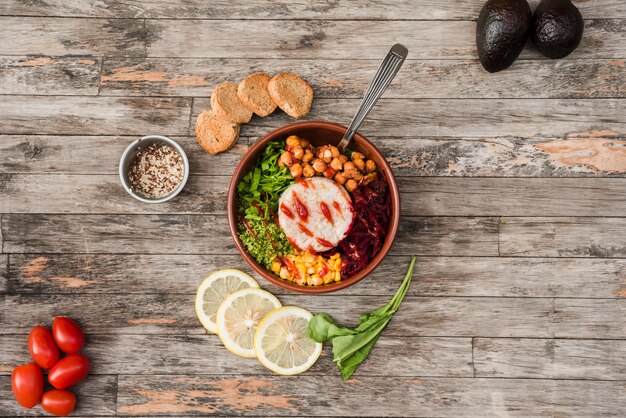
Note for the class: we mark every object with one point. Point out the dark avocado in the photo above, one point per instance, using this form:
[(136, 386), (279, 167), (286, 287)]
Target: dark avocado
[(502, 30), (557, 28)]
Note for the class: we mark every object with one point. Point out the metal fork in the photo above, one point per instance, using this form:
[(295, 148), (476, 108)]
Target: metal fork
[(386, 72)]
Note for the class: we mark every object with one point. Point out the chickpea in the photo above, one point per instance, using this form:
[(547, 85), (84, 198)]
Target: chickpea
[(308, 171), (357, 176), (318, 165), (336, 164), (308, 156), (296, 171), (286, 159), (329, 172), (327, 155), (370, 166), (292, 141), (340, 178), (367, 178), (360, 164), (297, 152), (357, 156), (343, 159), (349, 170), (304, 142), (334, 151), (351, 185)]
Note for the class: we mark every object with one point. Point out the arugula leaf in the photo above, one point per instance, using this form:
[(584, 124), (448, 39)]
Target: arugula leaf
[(352, 346)]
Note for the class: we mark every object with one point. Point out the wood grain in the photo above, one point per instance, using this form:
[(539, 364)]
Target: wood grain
[(550, 358), (422, 196), (205, 355), (241, 395), (433, 276), (38, 154), (208, 234), (96, 395), (572, 78), (347, 39), (44, 75), (50, 36), (545, 119), (283, 9), (592, 154), (84, 115), (4, 272), (563, 237), (173, 313)]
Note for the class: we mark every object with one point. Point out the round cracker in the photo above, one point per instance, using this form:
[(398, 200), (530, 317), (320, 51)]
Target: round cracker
[(252, 92), (226, 104), (291, 93), (215, 134)]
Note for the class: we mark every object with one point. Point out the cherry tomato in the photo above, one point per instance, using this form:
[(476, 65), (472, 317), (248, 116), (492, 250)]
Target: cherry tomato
[(58, 402), (68, 335), (42, 347), (27, 383), (68, 371)]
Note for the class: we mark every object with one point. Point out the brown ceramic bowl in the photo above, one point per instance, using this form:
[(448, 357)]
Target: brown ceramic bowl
[(319, 133)]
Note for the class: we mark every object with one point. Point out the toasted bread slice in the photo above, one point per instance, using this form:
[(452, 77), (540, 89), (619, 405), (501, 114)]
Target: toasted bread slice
[(215, 134), (252, 92), (226, 104), (291, 93)]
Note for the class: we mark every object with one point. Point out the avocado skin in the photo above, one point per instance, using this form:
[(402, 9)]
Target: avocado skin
[(502, 30), (557, 28)]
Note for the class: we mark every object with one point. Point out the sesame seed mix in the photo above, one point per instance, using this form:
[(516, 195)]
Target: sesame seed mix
[(156, 171)]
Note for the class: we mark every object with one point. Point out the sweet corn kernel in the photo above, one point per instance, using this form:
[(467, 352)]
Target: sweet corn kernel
[(309, 267)]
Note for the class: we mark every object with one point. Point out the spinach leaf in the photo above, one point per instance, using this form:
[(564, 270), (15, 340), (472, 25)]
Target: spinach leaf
[(352, 346)]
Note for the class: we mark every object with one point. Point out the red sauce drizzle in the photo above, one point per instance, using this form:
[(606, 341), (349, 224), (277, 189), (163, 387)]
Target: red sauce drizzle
[(305, 230), (304, 182), (291, 267), (326, 212), (312, 250), (293, 244), (337, 206), (325, 243), (324, 270), (301, 210), (286, 211)]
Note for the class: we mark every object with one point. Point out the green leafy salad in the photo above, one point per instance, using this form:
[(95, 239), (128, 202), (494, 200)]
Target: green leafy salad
[(258, 194)]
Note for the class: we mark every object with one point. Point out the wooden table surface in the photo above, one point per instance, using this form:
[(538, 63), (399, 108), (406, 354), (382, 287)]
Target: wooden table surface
[(513, 198)]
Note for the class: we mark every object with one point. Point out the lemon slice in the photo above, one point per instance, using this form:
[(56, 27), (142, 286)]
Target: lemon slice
[(214, 289), (238, 317), (282, 344)]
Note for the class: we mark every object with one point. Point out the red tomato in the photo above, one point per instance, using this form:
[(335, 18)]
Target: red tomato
[(68, 335), (58, 402), (68, 371), (42, 347), (27, 383)]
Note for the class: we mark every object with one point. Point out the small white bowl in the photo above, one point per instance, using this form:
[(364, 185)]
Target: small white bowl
[(129, 155)]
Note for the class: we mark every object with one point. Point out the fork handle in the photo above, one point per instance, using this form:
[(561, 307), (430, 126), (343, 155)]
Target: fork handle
[(386, 72)]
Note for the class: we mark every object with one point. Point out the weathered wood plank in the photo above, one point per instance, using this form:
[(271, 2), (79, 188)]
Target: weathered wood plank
[(4, 271), (329, 78), (283, 9), (50, 75), (207, 234), (96, 395), (173, 313), (83, 115), (242, 395), (205, 354), (585, 153), (351, 39), (433, 276), (563, 237), (37, 154), (421, 196), (470, 118), (102, 194), (590, 154), (50, 36), (550, 359)]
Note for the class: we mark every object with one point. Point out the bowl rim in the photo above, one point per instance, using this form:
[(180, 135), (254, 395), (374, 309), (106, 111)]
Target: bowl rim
[(136, 143), (271, 277)]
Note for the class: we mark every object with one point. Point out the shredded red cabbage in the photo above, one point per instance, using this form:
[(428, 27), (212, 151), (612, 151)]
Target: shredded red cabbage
[(372, 211)]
